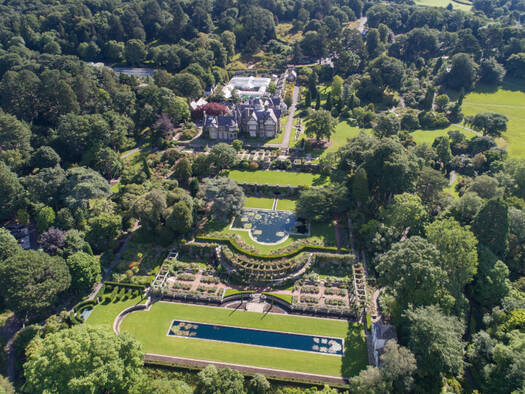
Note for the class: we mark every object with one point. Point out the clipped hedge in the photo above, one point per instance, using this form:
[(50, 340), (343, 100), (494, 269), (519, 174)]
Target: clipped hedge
[(235, 292), (123, 284), (282, 297), (300, 249)]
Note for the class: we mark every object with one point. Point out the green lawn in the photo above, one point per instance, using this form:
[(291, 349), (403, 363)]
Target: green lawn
[(278, 178), (451, 189), (509, 101), (343, 131), (151, 327), (258, 202), (444, 3), (428, 136), (106, 314), (285, 205)]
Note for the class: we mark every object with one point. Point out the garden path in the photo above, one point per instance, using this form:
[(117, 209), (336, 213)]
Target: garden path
[(291, 114)]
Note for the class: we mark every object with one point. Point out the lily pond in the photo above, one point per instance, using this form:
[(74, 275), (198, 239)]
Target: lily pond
[(269, 226), (251, 336)]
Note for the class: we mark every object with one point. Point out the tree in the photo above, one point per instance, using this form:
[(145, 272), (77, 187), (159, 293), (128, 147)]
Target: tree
[(222, 156), (435, 340), (44, 157), (387, 72), (32, 280), (360, 191), (165, 386), (515, 64), (398, 366), (320, 124), (463, 72), (442, 147), (259, 384), (108, 163), (491, 226), (85, 271), (466, 207), (135, 52), (220, 381), (441, 102), (81, 185), (83, 359), (10, 192), (225, 196), (8, 244), (457, 246), (44, 185), (490, 123), (491, 283), (103, 230), (369, 381), (387, 125), (411, 268), (180, 218), (406, 214), (182, 171), (491, 72), (52, 241), (15, 138), (486, 187), (187, 85), (337, 87), (150, 209), (45, 217)]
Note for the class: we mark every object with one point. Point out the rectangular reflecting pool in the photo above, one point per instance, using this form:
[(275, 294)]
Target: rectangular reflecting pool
[(251, 336)]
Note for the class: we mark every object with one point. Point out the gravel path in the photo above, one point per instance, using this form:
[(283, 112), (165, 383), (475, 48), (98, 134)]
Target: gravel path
[(291, 114)]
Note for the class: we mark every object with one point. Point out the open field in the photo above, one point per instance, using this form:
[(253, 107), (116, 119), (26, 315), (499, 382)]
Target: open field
[(444, 3), (428, 136), (258, 202), (151, 327), (284, 33), (285, 205), (106, 314), (509, 101), (277, 178)]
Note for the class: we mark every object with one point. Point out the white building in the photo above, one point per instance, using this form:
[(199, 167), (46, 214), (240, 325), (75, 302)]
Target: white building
[(247, 87)]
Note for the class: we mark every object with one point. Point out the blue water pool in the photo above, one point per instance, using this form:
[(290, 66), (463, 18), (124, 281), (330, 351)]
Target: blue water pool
[(268, 226), (250, 336)]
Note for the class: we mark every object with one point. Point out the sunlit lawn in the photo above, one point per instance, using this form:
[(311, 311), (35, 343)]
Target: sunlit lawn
[(151, 328), (444, 3), (428, 136), (278, 178), (285, 205), (509, 101), (105, 314), (258, 202)]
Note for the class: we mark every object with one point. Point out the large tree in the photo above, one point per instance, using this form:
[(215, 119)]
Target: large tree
[(491, 226), (320, 124), (436, 341), (491, 283), (463, 72), (32, 280), (83, 359), (459, 257), (407, 214), (8, 244), (222, 156), (225, 197), (10, 192), (212, 380), (411, 268), (103, 230), (85, 271), (81, 185)]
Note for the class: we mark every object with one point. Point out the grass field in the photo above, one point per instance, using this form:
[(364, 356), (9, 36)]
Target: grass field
[(106, 314), (509, 101), (151, 327), (444, 3), (428, 136), (258, 202), (277, 178), (286, 205)]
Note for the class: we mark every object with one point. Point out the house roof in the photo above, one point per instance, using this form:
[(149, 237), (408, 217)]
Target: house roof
[(220, 121)]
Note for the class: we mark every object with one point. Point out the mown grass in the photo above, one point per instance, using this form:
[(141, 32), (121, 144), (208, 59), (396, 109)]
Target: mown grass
[(508, 100), (151, 328), (428, 136), (258, 202), (278, 178), (105, 314), (285, 205), (444, 3)]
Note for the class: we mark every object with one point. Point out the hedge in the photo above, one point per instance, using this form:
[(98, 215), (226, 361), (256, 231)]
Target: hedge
[(300, 249), (82, 304), (368, 322), (123, 284)]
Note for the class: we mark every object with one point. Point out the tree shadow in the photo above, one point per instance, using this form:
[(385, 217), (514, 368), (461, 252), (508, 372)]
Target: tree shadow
[(320, 180), (355, 357)]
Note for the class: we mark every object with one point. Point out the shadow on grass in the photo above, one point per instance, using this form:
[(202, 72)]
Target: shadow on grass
[(320, 180), (355, 357)]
